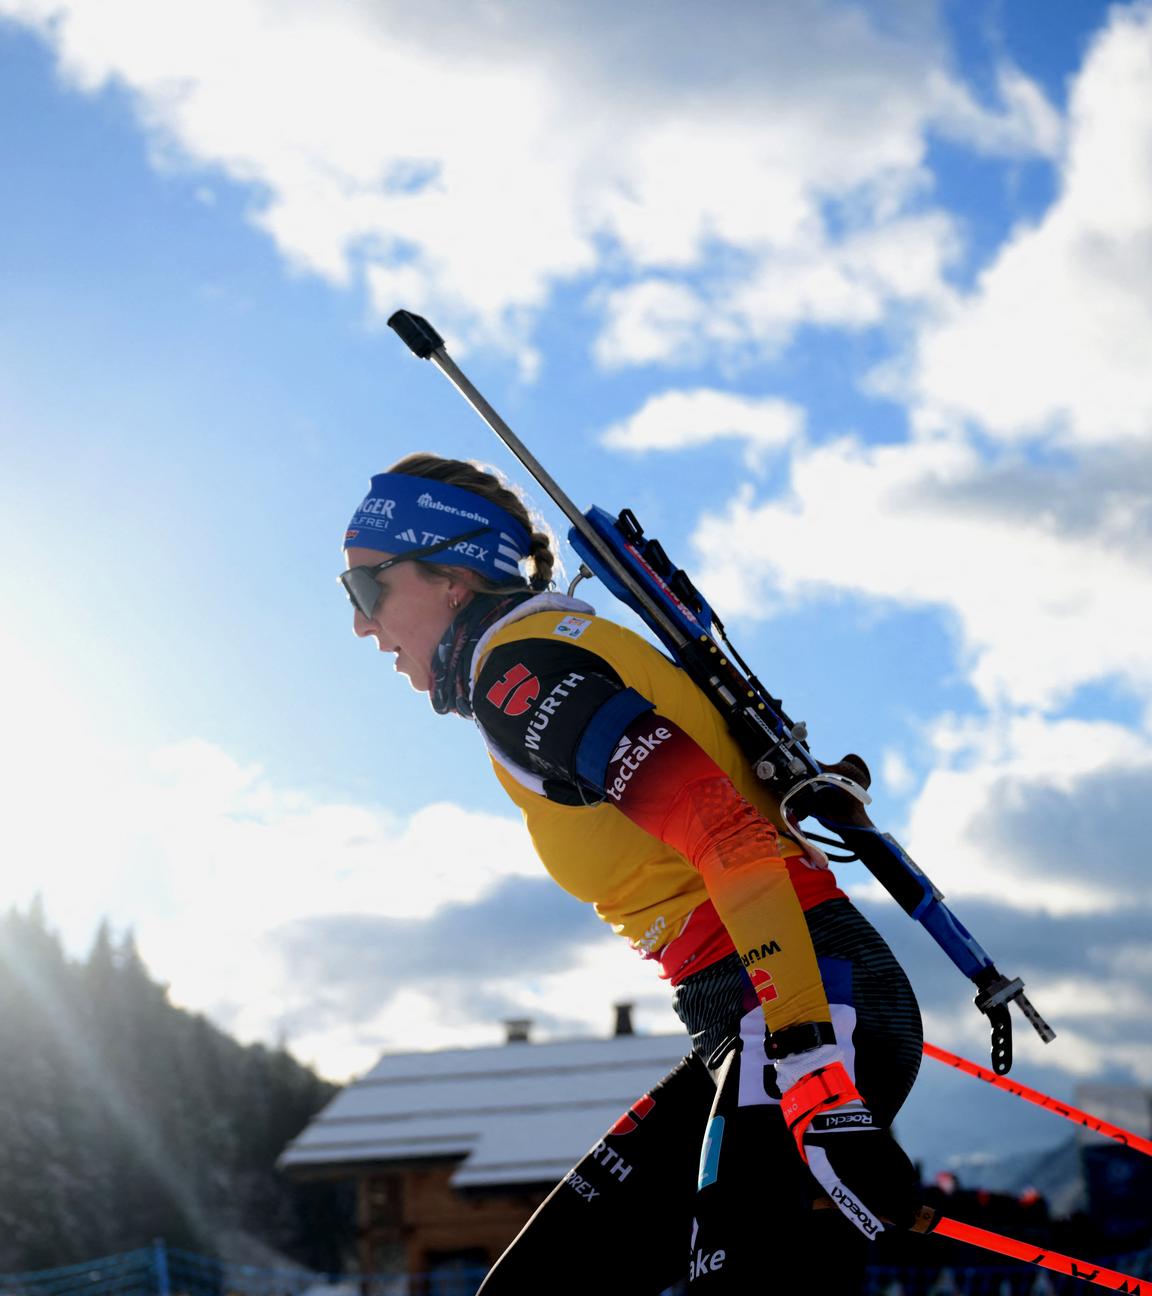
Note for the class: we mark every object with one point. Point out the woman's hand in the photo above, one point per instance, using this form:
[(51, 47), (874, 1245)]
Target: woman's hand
[(831, 802), (865, 1172)]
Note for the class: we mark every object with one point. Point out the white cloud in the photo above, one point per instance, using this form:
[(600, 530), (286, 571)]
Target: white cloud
[(656, 321), (207, 859), (1057, 336), (1029, 124), (1035, 831), (1041, 568), (895, 772), (852, 283), (451, 1013), (1042, 571), (1019, 811), (675, 420), (473, 163)]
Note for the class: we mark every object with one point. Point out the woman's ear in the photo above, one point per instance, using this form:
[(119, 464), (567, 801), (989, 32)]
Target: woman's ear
[(460, 587)]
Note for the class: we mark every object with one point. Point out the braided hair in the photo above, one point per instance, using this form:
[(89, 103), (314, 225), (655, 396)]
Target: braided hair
[(489, 485)]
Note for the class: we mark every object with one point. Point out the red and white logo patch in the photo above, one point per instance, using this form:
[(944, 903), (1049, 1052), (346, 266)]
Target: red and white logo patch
[(762, 984), (515, 692), (639, 1109)]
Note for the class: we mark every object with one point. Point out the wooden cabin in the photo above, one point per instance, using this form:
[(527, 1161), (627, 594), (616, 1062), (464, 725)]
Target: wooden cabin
[(452, 1150)]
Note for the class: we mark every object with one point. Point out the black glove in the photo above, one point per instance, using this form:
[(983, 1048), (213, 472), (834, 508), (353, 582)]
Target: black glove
[(831, 801), (856, 1160)]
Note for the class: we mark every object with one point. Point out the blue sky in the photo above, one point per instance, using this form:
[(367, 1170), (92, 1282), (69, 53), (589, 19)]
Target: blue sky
[(848, 303)]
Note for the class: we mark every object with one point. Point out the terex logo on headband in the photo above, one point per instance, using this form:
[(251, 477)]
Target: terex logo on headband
[(400, 512), (412, 536)]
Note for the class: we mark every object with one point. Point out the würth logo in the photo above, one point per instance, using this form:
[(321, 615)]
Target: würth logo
[(759, 952), (516, 692)]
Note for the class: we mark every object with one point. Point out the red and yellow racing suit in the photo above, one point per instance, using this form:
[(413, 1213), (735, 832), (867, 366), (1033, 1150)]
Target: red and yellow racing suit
[(639, 802)]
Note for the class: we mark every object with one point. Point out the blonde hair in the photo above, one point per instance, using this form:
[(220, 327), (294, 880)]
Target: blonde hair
[(489, 485)]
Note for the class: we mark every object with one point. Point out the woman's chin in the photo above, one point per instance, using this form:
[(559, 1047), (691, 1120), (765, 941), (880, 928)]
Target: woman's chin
[(420, 680)]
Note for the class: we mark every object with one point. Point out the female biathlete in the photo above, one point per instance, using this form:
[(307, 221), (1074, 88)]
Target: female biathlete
[(764, 1160)]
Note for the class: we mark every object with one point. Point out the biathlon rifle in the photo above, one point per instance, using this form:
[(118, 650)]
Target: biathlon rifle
[(635, 568)]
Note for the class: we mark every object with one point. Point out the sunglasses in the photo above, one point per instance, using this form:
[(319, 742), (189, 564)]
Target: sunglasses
[(362, 586)]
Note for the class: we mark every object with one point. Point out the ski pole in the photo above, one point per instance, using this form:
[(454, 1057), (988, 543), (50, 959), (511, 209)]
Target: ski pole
[(1030, 1253), (1040, 1099), (930, 1220)]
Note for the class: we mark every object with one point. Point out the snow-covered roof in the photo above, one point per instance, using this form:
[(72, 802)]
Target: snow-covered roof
[(517, 1113)]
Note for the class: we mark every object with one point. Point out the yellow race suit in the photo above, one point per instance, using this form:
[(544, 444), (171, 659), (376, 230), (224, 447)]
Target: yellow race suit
[(705, 866)]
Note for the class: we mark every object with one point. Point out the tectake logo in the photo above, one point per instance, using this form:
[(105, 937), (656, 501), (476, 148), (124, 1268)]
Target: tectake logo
[(515, 692), (629, 756), (704, 1262)]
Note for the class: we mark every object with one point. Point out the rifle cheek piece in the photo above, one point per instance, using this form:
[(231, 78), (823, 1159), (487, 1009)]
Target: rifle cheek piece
[(416, 333)]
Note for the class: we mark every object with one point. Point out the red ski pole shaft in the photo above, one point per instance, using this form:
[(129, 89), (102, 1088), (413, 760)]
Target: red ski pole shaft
[(1041, 1100), (1032, 1254)]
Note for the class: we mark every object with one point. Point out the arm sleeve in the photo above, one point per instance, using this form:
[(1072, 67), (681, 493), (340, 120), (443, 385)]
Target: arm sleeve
[(546, 703), (666, 784)]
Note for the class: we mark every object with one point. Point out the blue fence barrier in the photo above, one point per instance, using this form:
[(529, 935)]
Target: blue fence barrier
[(161, 1270)]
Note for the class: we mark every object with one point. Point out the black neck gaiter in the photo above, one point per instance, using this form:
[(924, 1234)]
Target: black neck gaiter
[(452, 664)]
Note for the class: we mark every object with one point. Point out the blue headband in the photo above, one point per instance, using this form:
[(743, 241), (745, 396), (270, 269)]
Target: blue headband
[(402, 512)]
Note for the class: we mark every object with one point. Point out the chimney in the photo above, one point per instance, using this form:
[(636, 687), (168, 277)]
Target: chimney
[(518, 1029), (624, 1019)]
